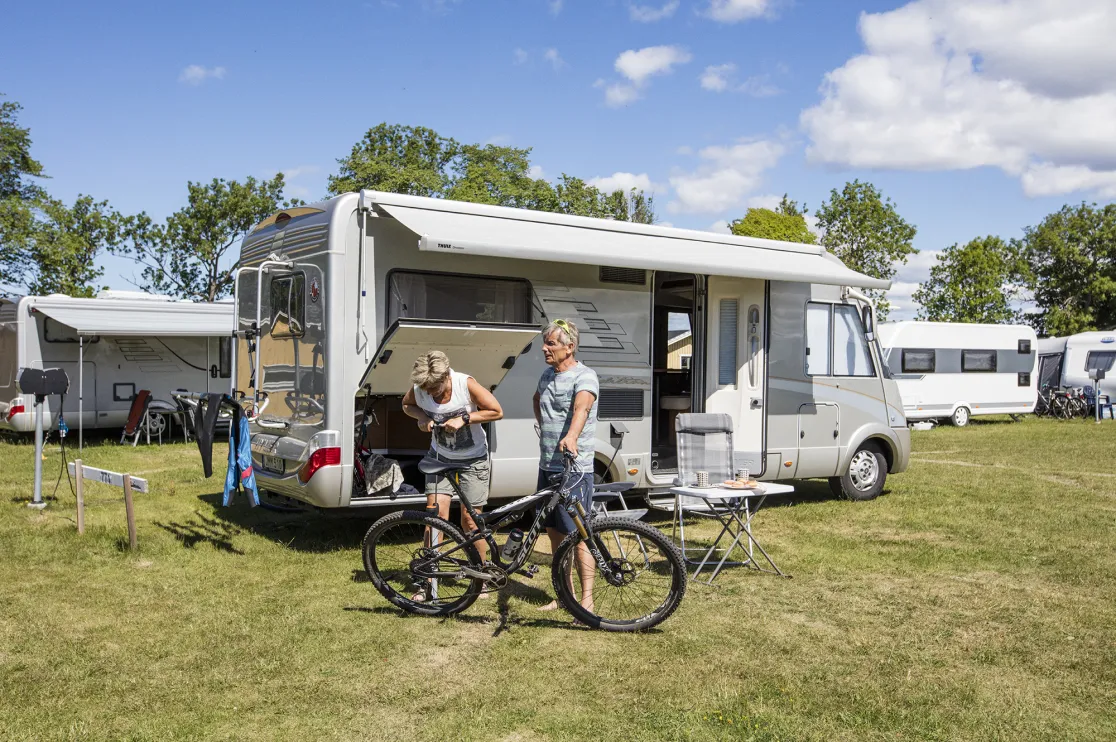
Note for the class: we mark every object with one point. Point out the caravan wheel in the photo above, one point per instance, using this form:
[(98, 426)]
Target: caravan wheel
[(866, 475), (961, 416)]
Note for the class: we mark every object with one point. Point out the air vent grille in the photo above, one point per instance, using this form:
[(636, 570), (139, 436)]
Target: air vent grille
[(620, 404), (633, 276)]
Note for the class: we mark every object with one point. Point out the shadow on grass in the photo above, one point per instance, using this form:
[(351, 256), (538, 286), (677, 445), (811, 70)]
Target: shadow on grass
[(203, 530)]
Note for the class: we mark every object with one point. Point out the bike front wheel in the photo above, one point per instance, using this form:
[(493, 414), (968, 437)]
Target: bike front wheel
[(417, 562), (643, 585)]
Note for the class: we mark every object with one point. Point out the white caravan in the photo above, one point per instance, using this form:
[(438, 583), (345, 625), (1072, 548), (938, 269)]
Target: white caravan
[(111, 347), (1066, 362), (336, 299), (954, 370)]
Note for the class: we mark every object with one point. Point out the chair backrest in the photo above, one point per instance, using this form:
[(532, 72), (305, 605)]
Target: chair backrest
[(704, 444), (137, 411), (188, 408)]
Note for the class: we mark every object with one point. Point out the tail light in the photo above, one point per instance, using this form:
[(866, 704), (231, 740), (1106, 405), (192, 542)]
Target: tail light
[(323, 449), (15, 410)]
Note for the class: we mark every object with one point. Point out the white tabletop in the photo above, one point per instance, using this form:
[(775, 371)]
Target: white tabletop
[(725, 493)]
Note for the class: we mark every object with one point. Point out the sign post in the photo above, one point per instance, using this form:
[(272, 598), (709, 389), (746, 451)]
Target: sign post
[(129, 483), (80, 486)]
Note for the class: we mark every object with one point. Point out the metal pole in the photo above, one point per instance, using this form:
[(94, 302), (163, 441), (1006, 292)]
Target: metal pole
[(1096, 399), (81, 390), (37, 501)]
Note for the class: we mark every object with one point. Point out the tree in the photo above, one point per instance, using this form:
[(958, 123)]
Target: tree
[(976, 282), (1071, 256), (397, 159), (497, 175), (188, 255), (866, 232), (786, 222), (19, 197)]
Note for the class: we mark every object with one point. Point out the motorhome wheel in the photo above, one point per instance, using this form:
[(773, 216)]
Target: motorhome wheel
[(961, 416), (866, 475)]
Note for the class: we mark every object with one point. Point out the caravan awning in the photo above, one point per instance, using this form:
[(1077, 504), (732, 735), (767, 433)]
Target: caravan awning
[(119, 318), (453, 226)]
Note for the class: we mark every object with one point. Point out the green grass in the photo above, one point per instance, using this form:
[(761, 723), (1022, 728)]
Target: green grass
[(974, 600)]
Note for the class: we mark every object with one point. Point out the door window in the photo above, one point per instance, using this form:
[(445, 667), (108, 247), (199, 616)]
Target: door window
[(850, 345), (818, 337)]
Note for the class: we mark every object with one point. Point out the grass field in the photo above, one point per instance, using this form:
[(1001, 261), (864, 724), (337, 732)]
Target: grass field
[(974, 600)]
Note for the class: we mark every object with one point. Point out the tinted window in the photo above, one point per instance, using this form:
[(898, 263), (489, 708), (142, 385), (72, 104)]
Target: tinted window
[(918, 361), (224, 357), (850, 346), (983, 361), (287, 306), (817, 339), (458, 298)]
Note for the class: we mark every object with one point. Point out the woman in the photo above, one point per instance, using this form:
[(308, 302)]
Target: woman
[(451, 406)]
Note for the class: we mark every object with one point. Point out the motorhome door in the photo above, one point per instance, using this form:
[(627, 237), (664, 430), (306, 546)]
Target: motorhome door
[(736, 362), (485, 351)]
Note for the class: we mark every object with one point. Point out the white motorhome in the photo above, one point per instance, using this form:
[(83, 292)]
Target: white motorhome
[(954, 370), (111, 347), (336, 299), (1066, 361)]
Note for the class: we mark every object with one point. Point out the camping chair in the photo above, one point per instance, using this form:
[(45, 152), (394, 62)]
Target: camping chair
[(137, 416), (604, 494), (187, 409)]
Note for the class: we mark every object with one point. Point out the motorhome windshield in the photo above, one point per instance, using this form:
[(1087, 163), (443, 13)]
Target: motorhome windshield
[(456, 297)]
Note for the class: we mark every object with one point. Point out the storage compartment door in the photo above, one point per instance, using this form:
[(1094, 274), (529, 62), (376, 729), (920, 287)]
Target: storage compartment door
[(485, 351), (819, 437)]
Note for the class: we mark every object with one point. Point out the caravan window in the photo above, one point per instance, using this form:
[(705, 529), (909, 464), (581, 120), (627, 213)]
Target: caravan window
[(918, 361), (287, 306), (818, 339), (458, 297), (851, 356), (1100, 360), (981, 361)]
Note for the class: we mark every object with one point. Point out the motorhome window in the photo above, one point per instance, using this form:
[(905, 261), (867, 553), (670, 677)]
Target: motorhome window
[(1024, 378), (728, 337), (56, 332), (1100, 360), (918, 361), (224, 357), (850, 343), (1024, 346), (457, 297), (818, 336), (287, 306), (979, 361)]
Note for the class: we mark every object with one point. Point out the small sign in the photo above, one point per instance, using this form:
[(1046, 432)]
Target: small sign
[(1108, 340), (315, 290), (109, 477)]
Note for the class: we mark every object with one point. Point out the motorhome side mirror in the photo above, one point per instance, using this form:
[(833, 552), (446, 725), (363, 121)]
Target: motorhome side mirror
[(866, 314)]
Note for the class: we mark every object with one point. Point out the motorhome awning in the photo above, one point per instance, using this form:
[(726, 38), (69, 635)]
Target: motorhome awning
[(119, 318), (453, 226)]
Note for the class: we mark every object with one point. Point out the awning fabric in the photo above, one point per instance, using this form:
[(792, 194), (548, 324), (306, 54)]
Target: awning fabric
[(118, 318), (453, 226)]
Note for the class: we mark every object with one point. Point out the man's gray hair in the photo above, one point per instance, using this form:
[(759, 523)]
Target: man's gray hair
[(566, 329), (430, 369)]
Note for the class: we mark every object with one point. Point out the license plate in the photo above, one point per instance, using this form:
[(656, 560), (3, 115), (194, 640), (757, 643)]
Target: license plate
[(273, 464)]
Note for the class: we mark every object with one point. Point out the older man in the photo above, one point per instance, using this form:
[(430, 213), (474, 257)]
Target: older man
[(566, 410)]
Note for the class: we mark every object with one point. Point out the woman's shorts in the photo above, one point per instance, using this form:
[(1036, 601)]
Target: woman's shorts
[(473, 481)]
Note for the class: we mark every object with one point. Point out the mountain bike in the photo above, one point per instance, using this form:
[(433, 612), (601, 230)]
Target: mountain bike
[(423, 564)]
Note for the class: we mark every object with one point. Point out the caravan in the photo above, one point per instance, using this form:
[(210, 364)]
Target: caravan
[(110, 347), (336, 299), (1067, 361), (953, 370)]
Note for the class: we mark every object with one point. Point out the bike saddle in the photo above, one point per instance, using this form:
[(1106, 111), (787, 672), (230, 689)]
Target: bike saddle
[(434, 466)]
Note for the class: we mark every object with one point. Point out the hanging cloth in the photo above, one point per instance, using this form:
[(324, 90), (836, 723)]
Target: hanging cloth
[(239, 474)]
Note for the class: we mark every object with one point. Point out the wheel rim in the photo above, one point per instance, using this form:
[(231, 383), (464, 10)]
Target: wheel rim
[(961, 416), (864, 470), (156, 424), (400, 547)]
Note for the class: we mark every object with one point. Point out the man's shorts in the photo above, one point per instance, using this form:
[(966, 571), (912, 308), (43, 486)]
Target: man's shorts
[(473, 482), (581, 487)]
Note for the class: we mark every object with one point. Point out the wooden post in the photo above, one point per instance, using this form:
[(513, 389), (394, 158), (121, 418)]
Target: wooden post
[(79, 474), (130, 511)]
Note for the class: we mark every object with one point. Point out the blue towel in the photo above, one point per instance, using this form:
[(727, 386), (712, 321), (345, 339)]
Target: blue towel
[(240, 472)]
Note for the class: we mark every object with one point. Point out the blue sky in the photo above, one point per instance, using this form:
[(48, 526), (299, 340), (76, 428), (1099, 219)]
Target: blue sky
[(954, 109)]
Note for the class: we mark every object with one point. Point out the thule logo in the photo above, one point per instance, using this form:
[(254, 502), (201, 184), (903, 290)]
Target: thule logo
[(448, 246)]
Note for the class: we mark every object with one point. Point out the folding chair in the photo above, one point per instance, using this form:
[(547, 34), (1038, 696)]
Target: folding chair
[(137, 416), (603, 494)]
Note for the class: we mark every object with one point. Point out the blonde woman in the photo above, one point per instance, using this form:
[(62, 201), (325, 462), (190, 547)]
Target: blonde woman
[(451, 406)]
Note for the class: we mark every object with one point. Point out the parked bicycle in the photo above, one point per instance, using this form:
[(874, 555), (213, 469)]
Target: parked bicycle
[(425, 565)]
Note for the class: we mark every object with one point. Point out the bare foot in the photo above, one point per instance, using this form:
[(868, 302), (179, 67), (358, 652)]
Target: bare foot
[(551, 606)]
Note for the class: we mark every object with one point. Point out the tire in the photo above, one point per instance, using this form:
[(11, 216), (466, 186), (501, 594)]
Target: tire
[(866, 475), (960, 417), (392, 546), (653, 560)]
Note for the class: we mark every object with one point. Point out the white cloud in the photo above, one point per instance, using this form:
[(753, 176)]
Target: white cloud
[(623, 182), (551, 55), (640, 65), (900, 296), (619, 94), (734, 11), (651, 13), (520, 55), (685, 150), (759, 86), (196, 74), (716, 77), (767, 201), (1025, 86), (725, 177), (291, 189), (719, 226), (555, 6), (536, 172)]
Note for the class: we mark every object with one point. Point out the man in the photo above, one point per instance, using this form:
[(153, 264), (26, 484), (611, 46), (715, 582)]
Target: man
[(566, 411)]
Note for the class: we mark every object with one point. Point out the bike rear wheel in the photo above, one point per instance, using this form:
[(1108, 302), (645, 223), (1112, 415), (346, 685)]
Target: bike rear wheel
[(415, 560), (650, 569)]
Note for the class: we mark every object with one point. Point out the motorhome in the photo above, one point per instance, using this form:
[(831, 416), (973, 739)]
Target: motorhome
[(1067, 361), (954, 370), (335, 300), (111, 347)]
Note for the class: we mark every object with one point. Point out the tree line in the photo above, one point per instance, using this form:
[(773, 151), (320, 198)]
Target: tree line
[(1065, 266)]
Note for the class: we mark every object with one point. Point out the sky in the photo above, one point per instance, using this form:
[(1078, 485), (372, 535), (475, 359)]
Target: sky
[(974, 117)]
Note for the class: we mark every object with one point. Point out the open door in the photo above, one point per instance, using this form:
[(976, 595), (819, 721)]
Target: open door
[(487, 351)]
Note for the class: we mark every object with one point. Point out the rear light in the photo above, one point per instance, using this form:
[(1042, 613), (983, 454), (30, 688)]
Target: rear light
[(318, 459), (15, 410)]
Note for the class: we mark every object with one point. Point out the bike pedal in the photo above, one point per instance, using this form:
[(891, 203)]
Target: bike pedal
[(531, 571)]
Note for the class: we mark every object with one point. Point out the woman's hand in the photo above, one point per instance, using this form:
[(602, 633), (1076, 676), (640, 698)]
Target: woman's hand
[(454, 424), (426, 426)]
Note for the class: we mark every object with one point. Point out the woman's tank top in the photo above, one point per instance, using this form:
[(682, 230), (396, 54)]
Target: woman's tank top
[(467, 443)]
